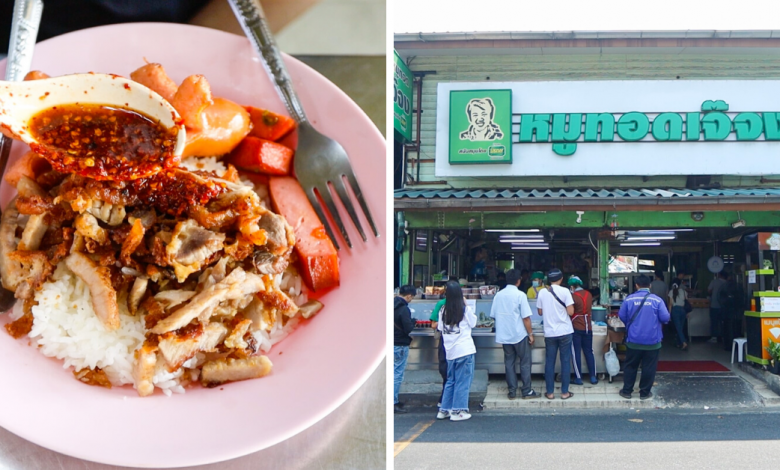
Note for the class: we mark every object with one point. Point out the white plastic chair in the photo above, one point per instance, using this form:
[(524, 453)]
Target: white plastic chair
[(741, 343)]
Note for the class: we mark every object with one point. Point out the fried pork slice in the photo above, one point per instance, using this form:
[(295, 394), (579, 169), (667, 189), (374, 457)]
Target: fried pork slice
[(143, 369), (236, 285), (98, 278), (171, 298), (112, 214), (310, 308), (268, 263), (176, 350), (223, 370), (10, 269), (35, 270), (33, 232), (190, 246), (87, 225), (266, 307), (95, 377), (133, 240), (236, 338), (136, 293), (281, 237)]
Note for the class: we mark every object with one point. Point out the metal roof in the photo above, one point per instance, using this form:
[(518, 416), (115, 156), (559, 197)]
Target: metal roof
[(581, 193), (513, 198), (568, 35)]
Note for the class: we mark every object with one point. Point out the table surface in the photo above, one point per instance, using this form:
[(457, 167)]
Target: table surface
[(353, 436)]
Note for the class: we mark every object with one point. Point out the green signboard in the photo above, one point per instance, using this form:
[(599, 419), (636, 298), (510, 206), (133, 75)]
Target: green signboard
[(480, 126), (402, 100)]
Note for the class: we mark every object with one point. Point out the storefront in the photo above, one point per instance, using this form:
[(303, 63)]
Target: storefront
[(605, 158)]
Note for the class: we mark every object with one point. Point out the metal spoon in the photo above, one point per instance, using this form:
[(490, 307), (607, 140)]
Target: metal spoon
[(20, 101), (24, 31)]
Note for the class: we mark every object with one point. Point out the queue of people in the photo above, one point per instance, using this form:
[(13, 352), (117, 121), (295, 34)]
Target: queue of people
[(568, 334)]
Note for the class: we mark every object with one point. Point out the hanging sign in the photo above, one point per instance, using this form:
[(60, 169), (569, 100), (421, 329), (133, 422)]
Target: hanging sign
[(608, 128), (402, 99)]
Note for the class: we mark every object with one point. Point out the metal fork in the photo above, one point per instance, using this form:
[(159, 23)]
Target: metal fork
[(320, 162)]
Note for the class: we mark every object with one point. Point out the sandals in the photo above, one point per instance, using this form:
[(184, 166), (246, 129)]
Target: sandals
[(551, 396)]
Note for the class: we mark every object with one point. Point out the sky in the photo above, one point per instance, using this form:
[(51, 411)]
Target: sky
[(413, 16)]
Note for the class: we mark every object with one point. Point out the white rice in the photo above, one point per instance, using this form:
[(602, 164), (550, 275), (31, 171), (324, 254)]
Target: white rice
[(65, 326), (204, 164)]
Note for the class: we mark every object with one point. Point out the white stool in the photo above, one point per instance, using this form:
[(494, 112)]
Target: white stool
[(741, 343)]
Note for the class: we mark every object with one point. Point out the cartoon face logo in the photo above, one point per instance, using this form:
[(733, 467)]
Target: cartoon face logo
[(774, 242), (481, 126)]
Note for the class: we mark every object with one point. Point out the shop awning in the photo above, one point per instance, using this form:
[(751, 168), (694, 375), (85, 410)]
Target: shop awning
[(592, 199)]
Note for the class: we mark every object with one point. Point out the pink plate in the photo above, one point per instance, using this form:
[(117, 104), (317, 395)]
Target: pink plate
[(324, 361)]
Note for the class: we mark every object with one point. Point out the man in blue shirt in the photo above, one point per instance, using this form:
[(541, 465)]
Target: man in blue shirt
[(643, 314), (512, 314)]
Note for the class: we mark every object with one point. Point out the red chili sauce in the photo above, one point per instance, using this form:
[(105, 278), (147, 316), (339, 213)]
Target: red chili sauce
[(102, 142)]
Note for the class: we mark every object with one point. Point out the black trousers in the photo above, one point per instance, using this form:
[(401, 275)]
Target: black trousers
[(649, 362), (442, 367)]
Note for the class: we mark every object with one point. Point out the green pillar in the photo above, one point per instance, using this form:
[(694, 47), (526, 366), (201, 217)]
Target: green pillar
[(406, 262), (604, 271)]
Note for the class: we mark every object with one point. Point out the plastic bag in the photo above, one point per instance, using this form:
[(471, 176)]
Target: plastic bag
[(612, 363)]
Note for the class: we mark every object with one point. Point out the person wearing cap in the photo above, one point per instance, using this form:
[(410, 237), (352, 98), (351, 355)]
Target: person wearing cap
[(582, 341), (537, 284), (556, 306), (644, 314)]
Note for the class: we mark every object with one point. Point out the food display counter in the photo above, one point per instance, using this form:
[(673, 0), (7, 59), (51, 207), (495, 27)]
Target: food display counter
[(423, 352)]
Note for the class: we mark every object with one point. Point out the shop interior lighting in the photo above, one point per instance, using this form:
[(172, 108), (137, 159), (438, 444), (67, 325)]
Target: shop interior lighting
[(521, 238), (527, 230), (642, 244), (515, 248), (669, 230)]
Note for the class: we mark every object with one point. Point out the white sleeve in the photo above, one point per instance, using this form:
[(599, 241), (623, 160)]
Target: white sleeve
[(493, 308), (471, 317), (567, 298), (440, 324), (525, 309)]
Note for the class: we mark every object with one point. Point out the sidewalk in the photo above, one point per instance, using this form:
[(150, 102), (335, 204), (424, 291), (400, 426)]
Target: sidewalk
[(601, 395)]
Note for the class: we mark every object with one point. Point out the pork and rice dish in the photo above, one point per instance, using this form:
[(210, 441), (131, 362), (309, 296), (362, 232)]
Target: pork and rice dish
[(183, 275)]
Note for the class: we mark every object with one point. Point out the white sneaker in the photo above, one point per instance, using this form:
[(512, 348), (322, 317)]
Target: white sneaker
[(460, 416), (443, 415), (713, 340)]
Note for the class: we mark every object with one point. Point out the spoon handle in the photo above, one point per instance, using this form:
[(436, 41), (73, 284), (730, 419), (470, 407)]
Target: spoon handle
[(259, 34), (24, 31)]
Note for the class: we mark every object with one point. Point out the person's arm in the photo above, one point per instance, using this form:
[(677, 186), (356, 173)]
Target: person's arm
[(529, 330), (471, 317), (434, 324), (663, 313), (623, 313), (569, 301), (406, 321)]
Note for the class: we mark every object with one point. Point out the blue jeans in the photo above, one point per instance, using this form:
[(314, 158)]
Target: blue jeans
[(401, 354), (583, 343), (460, 373), (679, 318), (552, 346)]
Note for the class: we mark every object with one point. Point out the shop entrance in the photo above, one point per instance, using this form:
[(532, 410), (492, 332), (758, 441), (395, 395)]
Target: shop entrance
[(608, 260)]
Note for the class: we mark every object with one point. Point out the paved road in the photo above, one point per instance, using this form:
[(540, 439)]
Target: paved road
[(646, 439)]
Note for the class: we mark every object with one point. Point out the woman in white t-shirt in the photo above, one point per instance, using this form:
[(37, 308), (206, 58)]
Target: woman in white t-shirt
[(677, 297), (455, 323)]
